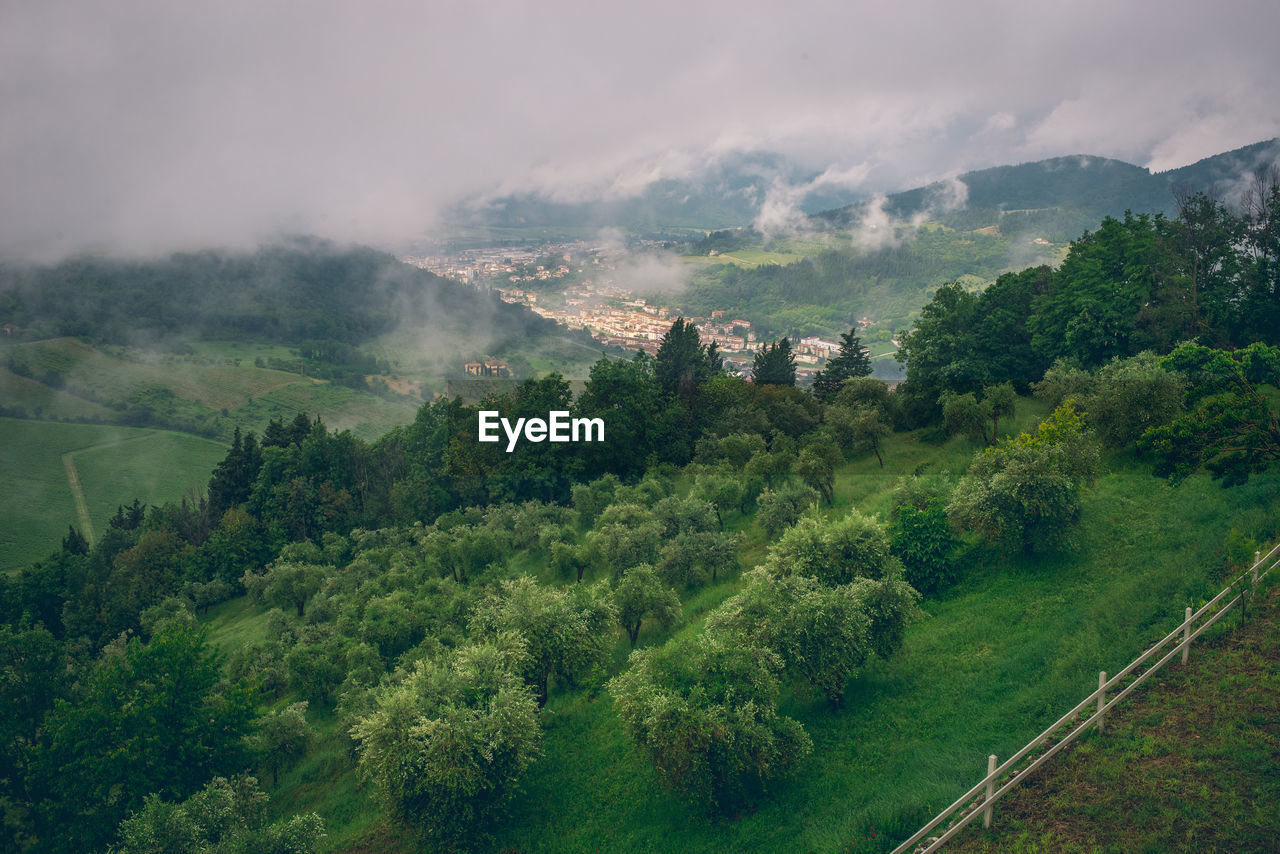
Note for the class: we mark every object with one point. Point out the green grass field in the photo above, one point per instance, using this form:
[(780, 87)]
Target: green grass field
[(984, 668), (115, 466)]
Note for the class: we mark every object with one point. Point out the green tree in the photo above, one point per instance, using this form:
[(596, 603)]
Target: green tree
[(998, 401), (1131, 396), (640, 594), (149, 718), (565, 631), (782, 509), (1026, 491), (704, 709), (445, 748), (853, 360), (282, 737), (921, 538), (1231, 426), (962, 414), (821, 633), (682, 363), (226, 816), (833, 551), (775, 364), (816, 468), (867, 428), (689, 558), (289, 584)]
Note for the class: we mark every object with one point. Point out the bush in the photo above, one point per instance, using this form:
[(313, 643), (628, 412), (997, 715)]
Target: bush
[(921, 538)]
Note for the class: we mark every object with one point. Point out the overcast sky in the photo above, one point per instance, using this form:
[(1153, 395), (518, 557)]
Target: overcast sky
[(148, 126)]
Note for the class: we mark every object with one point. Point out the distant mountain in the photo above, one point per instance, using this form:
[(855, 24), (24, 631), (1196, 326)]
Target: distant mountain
[(1067, 194), (728, 192), (1063, 196)]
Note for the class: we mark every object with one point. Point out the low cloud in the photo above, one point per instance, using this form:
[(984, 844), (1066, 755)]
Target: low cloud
[(145, 125)]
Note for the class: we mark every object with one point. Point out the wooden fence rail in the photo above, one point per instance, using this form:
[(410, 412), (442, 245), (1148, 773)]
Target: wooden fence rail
[(982, 797)]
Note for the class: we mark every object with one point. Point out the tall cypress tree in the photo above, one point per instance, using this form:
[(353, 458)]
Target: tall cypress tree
[(854, 360), (775, 364)]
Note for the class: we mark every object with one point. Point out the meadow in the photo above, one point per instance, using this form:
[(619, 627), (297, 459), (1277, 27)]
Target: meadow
[(115, 465)]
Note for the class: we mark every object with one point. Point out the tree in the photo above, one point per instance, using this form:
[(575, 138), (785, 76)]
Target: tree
[(290, 585), (1131, 396), (233, 479), (998, 401), (853, 360), (817, 469), (821, 633), (722, 491), (445, 748), (682, 363), (921, 538), (775, 364), (226, 816), (689, 558), (867, 427), (1026, 491), (704, 709), (282, 737), (565, 632), (780, 510), (961, 413), (626, 535), (149, 719), (833, 551), (640, 594), (1230, 426)]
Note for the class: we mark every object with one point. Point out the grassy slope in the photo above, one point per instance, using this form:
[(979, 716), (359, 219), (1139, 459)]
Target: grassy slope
[(157, 467), (36, 397), (1026, 634), (1190, 765), (116, 465)]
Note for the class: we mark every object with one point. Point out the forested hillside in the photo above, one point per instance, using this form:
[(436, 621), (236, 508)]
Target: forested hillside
[(305, 291), (751, 614)]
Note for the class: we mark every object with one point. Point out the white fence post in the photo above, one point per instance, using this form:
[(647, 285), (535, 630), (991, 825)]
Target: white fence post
[(991, 790), (1102, 695), (1186, 635)]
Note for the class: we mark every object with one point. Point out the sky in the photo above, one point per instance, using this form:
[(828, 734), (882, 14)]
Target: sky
[(144, 127)]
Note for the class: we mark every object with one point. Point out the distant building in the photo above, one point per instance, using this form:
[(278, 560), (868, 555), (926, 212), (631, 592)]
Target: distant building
[(488, 368)]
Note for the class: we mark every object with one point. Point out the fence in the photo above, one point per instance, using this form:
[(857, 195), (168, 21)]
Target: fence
[(980, 799)]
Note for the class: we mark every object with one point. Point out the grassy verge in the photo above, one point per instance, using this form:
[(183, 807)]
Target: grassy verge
[(1190, 765)]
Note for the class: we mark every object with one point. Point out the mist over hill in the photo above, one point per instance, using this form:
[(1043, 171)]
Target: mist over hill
[(288, 293), (756, 188)]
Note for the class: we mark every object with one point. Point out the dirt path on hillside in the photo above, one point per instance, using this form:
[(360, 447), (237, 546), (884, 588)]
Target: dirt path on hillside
[(77, 494)]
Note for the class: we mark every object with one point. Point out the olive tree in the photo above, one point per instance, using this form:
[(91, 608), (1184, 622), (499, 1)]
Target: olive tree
[(822, 634), (566, 631), (641, 594), (445, 748), (704, 709), (1026, 491)]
